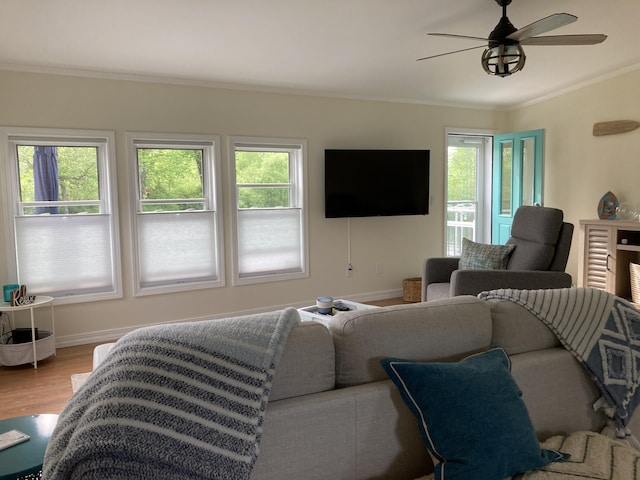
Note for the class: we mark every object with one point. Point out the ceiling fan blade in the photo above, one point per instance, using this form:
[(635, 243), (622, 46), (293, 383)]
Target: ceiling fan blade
[(458, 36), (543, 25), (588, 39), (449, 53)]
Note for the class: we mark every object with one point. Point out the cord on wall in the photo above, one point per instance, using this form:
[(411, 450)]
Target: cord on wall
[(349, 265)]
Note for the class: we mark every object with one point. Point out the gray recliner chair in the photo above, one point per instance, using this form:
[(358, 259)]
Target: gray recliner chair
[(542, 243)]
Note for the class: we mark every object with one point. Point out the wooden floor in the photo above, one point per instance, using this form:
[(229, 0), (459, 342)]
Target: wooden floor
[(27, 391), (387, 302)]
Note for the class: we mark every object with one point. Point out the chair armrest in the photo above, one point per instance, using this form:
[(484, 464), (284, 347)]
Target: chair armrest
[(472, 282), (437, 270)]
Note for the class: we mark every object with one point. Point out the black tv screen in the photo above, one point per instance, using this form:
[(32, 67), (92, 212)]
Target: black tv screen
[(369, 183)]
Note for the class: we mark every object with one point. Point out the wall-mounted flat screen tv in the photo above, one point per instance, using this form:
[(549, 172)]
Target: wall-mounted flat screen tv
[(369, 183)]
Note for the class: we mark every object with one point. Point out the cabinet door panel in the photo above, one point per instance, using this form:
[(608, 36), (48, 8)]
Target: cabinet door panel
[(597, 264)]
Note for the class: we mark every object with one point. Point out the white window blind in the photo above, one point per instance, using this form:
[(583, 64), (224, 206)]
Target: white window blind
[(269, 241), (63, 255), (177, 247)]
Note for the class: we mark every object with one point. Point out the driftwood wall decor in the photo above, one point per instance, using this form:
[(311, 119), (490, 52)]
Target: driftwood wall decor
[(617, 126)]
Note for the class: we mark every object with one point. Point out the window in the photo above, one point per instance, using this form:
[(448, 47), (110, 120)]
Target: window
[(269, 215), (467, 158), (62, 226), (177, 227)]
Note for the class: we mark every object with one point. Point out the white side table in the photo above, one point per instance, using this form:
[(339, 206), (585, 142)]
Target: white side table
[(40, 301), (311, 313)]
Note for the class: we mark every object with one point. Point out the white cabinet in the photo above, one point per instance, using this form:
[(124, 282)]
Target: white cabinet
[(607, 247)]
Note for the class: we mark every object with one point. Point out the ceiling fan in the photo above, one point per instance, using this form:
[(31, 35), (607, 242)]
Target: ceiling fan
[(504, 54)]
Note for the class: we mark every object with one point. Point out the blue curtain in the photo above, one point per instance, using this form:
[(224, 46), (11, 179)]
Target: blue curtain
[(45, 177)]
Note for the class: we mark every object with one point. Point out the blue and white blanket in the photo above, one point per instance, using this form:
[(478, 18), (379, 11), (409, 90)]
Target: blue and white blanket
[(181, 401), (603, 333)]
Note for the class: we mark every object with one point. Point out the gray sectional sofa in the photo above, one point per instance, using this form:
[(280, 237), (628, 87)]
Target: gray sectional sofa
[(334, 414)]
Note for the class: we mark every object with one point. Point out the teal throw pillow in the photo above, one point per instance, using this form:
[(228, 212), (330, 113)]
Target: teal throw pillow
[(481, 256), (471, 416)]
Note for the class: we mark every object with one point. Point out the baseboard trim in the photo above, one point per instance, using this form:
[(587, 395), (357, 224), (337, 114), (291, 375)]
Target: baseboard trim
[(111, 335)]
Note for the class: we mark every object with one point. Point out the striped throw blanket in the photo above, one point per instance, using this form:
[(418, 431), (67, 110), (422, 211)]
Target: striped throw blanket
[(181, 401), (593, 457), (603, 333)]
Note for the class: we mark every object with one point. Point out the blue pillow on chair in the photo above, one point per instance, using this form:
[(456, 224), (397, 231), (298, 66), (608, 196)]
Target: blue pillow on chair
[(471, 416)]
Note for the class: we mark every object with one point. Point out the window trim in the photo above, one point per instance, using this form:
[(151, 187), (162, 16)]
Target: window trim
[(108, 188), (298, 190), (212, 183)]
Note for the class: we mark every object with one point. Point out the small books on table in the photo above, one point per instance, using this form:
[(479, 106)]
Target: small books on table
[(11, 438)]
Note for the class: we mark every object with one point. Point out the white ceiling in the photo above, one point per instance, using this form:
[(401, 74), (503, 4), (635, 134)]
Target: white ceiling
[(345, 48)]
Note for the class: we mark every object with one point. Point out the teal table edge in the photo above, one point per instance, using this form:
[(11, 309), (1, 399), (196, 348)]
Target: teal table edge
[(26, 458)]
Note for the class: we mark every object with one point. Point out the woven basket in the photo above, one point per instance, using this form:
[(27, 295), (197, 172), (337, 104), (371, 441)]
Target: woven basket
[(634, 271), (412, 289)]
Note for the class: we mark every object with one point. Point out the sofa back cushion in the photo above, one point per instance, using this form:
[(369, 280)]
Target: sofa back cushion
[(441, 330), (557, 391), (307, 364), (517, 330)]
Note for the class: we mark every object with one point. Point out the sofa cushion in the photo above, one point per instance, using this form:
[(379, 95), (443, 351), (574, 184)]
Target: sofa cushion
[(437, 291), (359, 433), (557, 390), (480, 256), (307, 364), (517, 330), (471, 416), (440, 330)]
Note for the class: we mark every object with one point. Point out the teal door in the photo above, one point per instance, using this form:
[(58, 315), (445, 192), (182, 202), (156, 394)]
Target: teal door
[(517, 178)]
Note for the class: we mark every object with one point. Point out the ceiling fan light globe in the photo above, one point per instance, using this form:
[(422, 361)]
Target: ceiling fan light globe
[(503, 60)]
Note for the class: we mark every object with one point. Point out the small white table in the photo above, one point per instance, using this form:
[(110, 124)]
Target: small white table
[(40, 301), (339, 306)]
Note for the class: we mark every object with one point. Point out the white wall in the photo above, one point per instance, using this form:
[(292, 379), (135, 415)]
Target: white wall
[(580, 168), (398, 243)]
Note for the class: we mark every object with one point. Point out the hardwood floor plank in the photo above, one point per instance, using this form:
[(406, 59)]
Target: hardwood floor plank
[(389, 301), (27, 391)]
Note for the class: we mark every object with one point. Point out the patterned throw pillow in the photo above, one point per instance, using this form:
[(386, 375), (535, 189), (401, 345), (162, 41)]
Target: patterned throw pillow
[(593, 456), (480, 256)]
